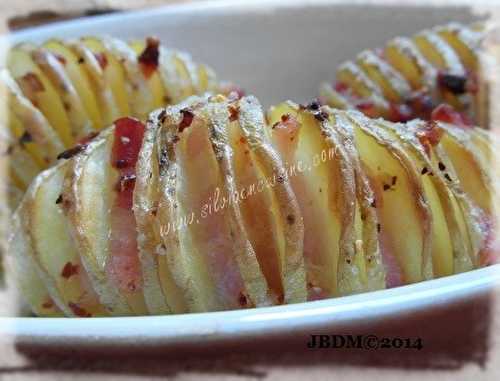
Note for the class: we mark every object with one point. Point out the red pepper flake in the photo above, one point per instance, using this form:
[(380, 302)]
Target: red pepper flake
[(424, 171), (25, 138), (386, 187), (243, 140), (321, 116), (340, 87), (285, 118), (430, 135), (68, 270), (394, 180), (125, 183), (400, 112), (102, 59), (78, 311), (232, 91), (367, 108), (290, 219), (187, 119), (242, 300), (379, 228), (60, 58), (447, 114), (451, 82), (441, 166), (313, 106), (32, 82), (59, 199), (150, 56), (234, 113), (69, 153), (48, 304)]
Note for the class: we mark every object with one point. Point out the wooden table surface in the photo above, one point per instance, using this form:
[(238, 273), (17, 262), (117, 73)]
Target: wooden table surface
[(474, 325)]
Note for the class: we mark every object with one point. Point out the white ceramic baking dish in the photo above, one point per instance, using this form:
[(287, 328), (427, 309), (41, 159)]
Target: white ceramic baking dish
[(275, 50)]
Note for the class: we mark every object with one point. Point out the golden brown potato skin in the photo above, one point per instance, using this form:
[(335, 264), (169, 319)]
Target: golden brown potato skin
[(410, 77), (234, 208)]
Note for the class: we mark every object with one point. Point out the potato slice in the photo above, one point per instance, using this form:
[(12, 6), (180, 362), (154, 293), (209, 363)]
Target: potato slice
[(468, 166), (108, 109), (323, 182), (398, 192), (443, 57), (39, 90), (54, 70), (366, 220), (351, 74), (89, 191), (113, 73), (74, 65), (161, 293), (18, 132), (280, 201), (333, 98), (207, 79), (20, 165), (35, 125), (141, 99), (465, 41), (393, 85), (402, 54), (212, 241), (470, 217), (449, 246), (154, 79), (21, 271), (53, 246)]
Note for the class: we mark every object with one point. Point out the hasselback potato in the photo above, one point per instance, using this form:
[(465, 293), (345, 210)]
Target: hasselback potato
[(214, 205), (410, 77), (63, 91)]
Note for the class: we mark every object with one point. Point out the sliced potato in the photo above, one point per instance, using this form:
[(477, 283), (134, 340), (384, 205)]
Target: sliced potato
[(398, 192), (154, 79), (22, 271), (108, 108), (471, 172), (113, 72), (34, 122), (325, 193), (54, 69), (74, 65), (212, 245), (20, 165), (161, 293), (393, 85), (141, 99), (39, 90), (53, 246), (366, 220), (283, 201), (449, 247), (89, 194)]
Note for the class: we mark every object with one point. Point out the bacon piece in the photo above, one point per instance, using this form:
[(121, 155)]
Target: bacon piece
[(69, 270), (102, 59), (124, 266), (150, 56), (447, 114)]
